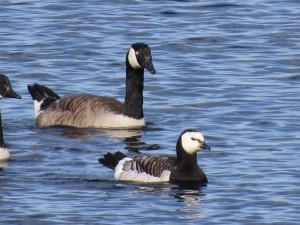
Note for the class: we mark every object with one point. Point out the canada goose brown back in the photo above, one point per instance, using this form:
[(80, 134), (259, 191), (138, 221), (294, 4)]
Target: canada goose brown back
[(86, 110)]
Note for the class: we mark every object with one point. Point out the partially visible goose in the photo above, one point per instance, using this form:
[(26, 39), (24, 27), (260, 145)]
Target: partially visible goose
[(6, 91), (85, 110), (182, 168)]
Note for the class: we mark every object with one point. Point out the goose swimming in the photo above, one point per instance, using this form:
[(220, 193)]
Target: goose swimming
[(86, 110), (182, 168)]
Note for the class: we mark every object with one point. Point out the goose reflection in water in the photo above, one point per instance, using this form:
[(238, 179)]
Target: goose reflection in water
[(131, 137), (89, 133), (191, 195)]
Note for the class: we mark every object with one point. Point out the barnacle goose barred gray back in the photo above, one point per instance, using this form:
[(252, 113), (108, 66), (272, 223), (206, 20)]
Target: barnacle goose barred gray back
[(182, 168), (86, 110)]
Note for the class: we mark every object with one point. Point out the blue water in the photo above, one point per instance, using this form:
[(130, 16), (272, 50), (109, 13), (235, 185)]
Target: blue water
[(229, 69)]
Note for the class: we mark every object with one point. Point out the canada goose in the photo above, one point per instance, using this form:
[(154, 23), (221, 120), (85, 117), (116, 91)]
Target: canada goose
[(86, 110), (6, 91), (182, 168)]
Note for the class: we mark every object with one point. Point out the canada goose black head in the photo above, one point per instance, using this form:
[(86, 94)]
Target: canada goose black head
[(139, 57), (6, 90)]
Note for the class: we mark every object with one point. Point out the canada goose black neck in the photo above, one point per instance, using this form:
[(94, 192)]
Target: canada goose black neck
[(133, 104), (138, 58)]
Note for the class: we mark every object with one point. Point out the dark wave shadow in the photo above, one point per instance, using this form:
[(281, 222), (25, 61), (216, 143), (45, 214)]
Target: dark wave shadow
[(132, 137), (190, 194)]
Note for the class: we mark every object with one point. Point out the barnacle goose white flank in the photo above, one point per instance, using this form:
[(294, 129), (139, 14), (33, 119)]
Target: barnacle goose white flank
[(86, 110), (6, 91), (182, 168)]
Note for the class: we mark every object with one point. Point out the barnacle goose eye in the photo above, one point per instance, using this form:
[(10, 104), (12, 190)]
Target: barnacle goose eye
[(194, 139)]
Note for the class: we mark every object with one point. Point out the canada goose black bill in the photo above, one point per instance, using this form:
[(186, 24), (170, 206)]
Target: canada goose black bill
[(6, 90), (182, 168), (86, 110)]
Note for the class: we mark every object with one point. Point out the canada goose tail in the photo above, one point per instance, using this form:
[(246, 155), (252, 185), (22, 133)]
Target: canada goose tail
[(111, 160), (39, 92), (42, 96)]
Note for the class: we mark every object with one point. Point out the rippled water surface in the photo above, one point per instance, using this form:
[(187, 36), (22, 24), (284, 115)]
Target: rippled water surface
[(227, 68)]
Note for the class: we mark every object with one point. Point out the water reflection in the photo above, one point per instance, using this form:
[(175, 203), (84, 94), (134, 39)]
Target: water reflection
[(89, 133), (132, 137), (190, 196), (135, 145), (3, 165)]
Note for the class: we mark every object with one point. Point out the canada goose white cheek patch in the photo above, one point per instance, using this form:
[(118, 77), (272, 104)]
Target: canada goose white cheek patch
[(132, 59)]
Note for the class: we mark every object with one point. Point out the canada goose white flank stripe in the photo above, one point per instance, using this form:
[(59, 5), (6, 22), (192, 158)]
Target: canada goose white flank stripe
[(182, 168), (6, 91), (86, 110)]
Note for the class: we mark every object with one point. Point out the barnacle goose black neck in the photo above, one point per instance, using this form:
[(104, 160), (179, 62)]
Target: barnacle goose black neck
[(85, 110), (182, 168), (6, 91)]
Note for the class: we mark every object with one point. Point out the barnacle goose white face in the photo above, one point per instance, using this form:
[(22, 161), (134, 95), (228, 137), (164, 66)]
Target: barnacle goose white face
[(193, 141), (132, 59)]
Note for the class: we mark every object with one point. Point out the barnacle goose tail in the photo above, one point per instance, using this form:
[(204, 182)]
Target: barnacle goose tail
[(111, 160)]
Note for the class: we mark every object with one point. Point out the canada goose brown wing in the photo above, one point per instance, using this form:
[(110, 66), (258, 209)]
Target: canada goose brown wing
[(87, 102)]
